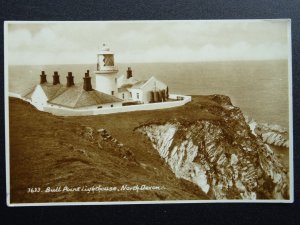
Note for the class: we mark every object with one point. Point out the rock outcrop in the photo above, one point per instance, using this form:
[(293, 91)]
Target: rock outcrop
[(225, 158), (270, 133), (105, 141)]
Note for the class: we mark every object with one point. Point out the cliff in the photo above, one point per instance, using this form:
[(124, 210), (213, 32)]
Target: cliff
[(47, 151), (202, 150), (224, 157), (270, 133)]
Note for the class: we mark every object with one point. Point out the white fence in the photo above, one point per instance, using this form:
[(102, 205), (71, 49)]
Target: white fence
[(61, 111)]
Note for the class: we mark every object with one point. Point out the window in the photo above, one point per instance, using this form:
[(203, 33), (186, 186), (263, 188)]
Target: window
[(99, 107), (116, 80), (138, 95), (108, 60), (111, 105), (112, 92), (123, 95)]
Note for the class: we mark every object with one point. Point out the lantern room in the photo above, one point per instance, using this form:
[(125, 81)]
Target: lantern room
[(105, 60)]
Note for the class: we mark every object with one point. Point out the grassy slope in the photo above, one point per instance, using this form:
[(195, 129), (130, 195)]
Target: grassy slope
[(40, 155)]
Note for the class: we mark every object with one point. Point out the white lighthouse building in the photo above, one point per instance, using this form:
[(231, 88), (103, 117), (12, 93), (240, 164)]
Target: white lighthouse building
[(113, 93), (106, 73)]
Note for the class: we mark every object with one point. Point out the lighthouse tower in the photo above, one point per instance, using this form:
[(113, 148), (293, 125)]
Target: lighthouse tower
[(106, 73)]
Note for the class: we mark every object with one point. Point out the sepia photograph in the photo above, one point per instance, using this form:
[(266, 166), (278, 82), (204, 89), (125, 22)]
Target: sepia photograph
[(144, 112)]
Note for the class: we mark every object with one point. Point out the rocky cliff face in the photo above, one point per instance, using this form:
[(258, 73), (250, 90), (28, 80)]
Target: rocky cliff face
[(269, 133), (225, 158), (50, 151)]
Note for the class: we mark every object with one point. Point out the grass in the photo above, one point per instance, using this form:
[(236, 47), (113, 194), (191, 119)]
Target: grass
[(41, 156)]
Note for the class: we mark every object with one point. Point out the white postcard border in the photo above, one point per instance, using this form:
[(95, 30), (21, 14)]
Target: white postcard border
[(6, 101)]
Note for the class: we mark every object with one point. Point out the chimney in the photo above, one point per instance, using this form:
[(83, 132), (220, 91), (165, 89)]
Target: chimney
[(70, 79), (43, 78), (56, 78), (167, 92), (129, 72), (87, 83)]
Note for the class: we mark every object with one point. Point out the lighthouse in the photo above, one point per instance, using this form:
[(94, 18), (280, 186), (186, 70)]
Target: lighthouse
[(106, 73)]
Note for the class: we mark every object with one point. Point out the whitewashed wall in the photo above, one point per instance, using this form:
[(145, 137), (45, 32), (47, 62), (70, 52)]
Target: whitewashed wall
[(14, 95), (136, 92), (38, 98), (107, 83), (151, 84), (61, 111), (127, 95), (131, 108), (87, 108)]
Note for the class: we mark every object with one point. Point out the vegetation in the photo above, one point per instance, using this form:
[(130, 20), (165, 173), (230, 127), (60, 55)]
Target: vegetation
[(50, 151)]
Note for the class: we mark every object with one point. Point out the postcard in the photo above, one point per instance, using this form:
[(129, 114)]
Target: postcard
[(144, 112)]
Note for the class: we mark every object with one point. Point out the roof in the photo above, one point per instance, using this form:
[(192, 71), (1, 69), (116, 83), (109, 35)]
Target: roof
[(105, 50), (52, 91), (75, 96), (28, 93), (124, 87), (139, 84), (122, 80)]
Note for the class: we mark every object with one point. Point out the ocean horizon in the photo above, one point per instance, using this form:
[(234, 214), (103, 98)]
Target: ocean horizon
[(259, 88)]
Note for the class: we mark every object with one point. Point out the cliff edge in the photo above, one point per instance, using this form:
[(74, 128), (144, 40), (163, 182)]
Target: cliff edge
[(223, 156), (203, 150)]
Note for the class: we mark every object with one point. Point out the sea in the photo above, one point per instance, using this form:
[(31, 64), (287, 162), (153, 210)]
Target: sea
[(259, 88)]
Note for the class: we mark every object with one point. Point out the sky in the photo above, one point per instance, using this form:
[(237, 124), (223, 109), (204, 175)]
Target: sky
[(41, 43)]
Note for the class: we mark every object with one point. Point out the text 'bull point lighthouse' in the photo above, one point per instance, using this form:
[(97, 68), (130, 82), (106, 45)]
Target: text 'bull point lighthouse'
[(106, 73)]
